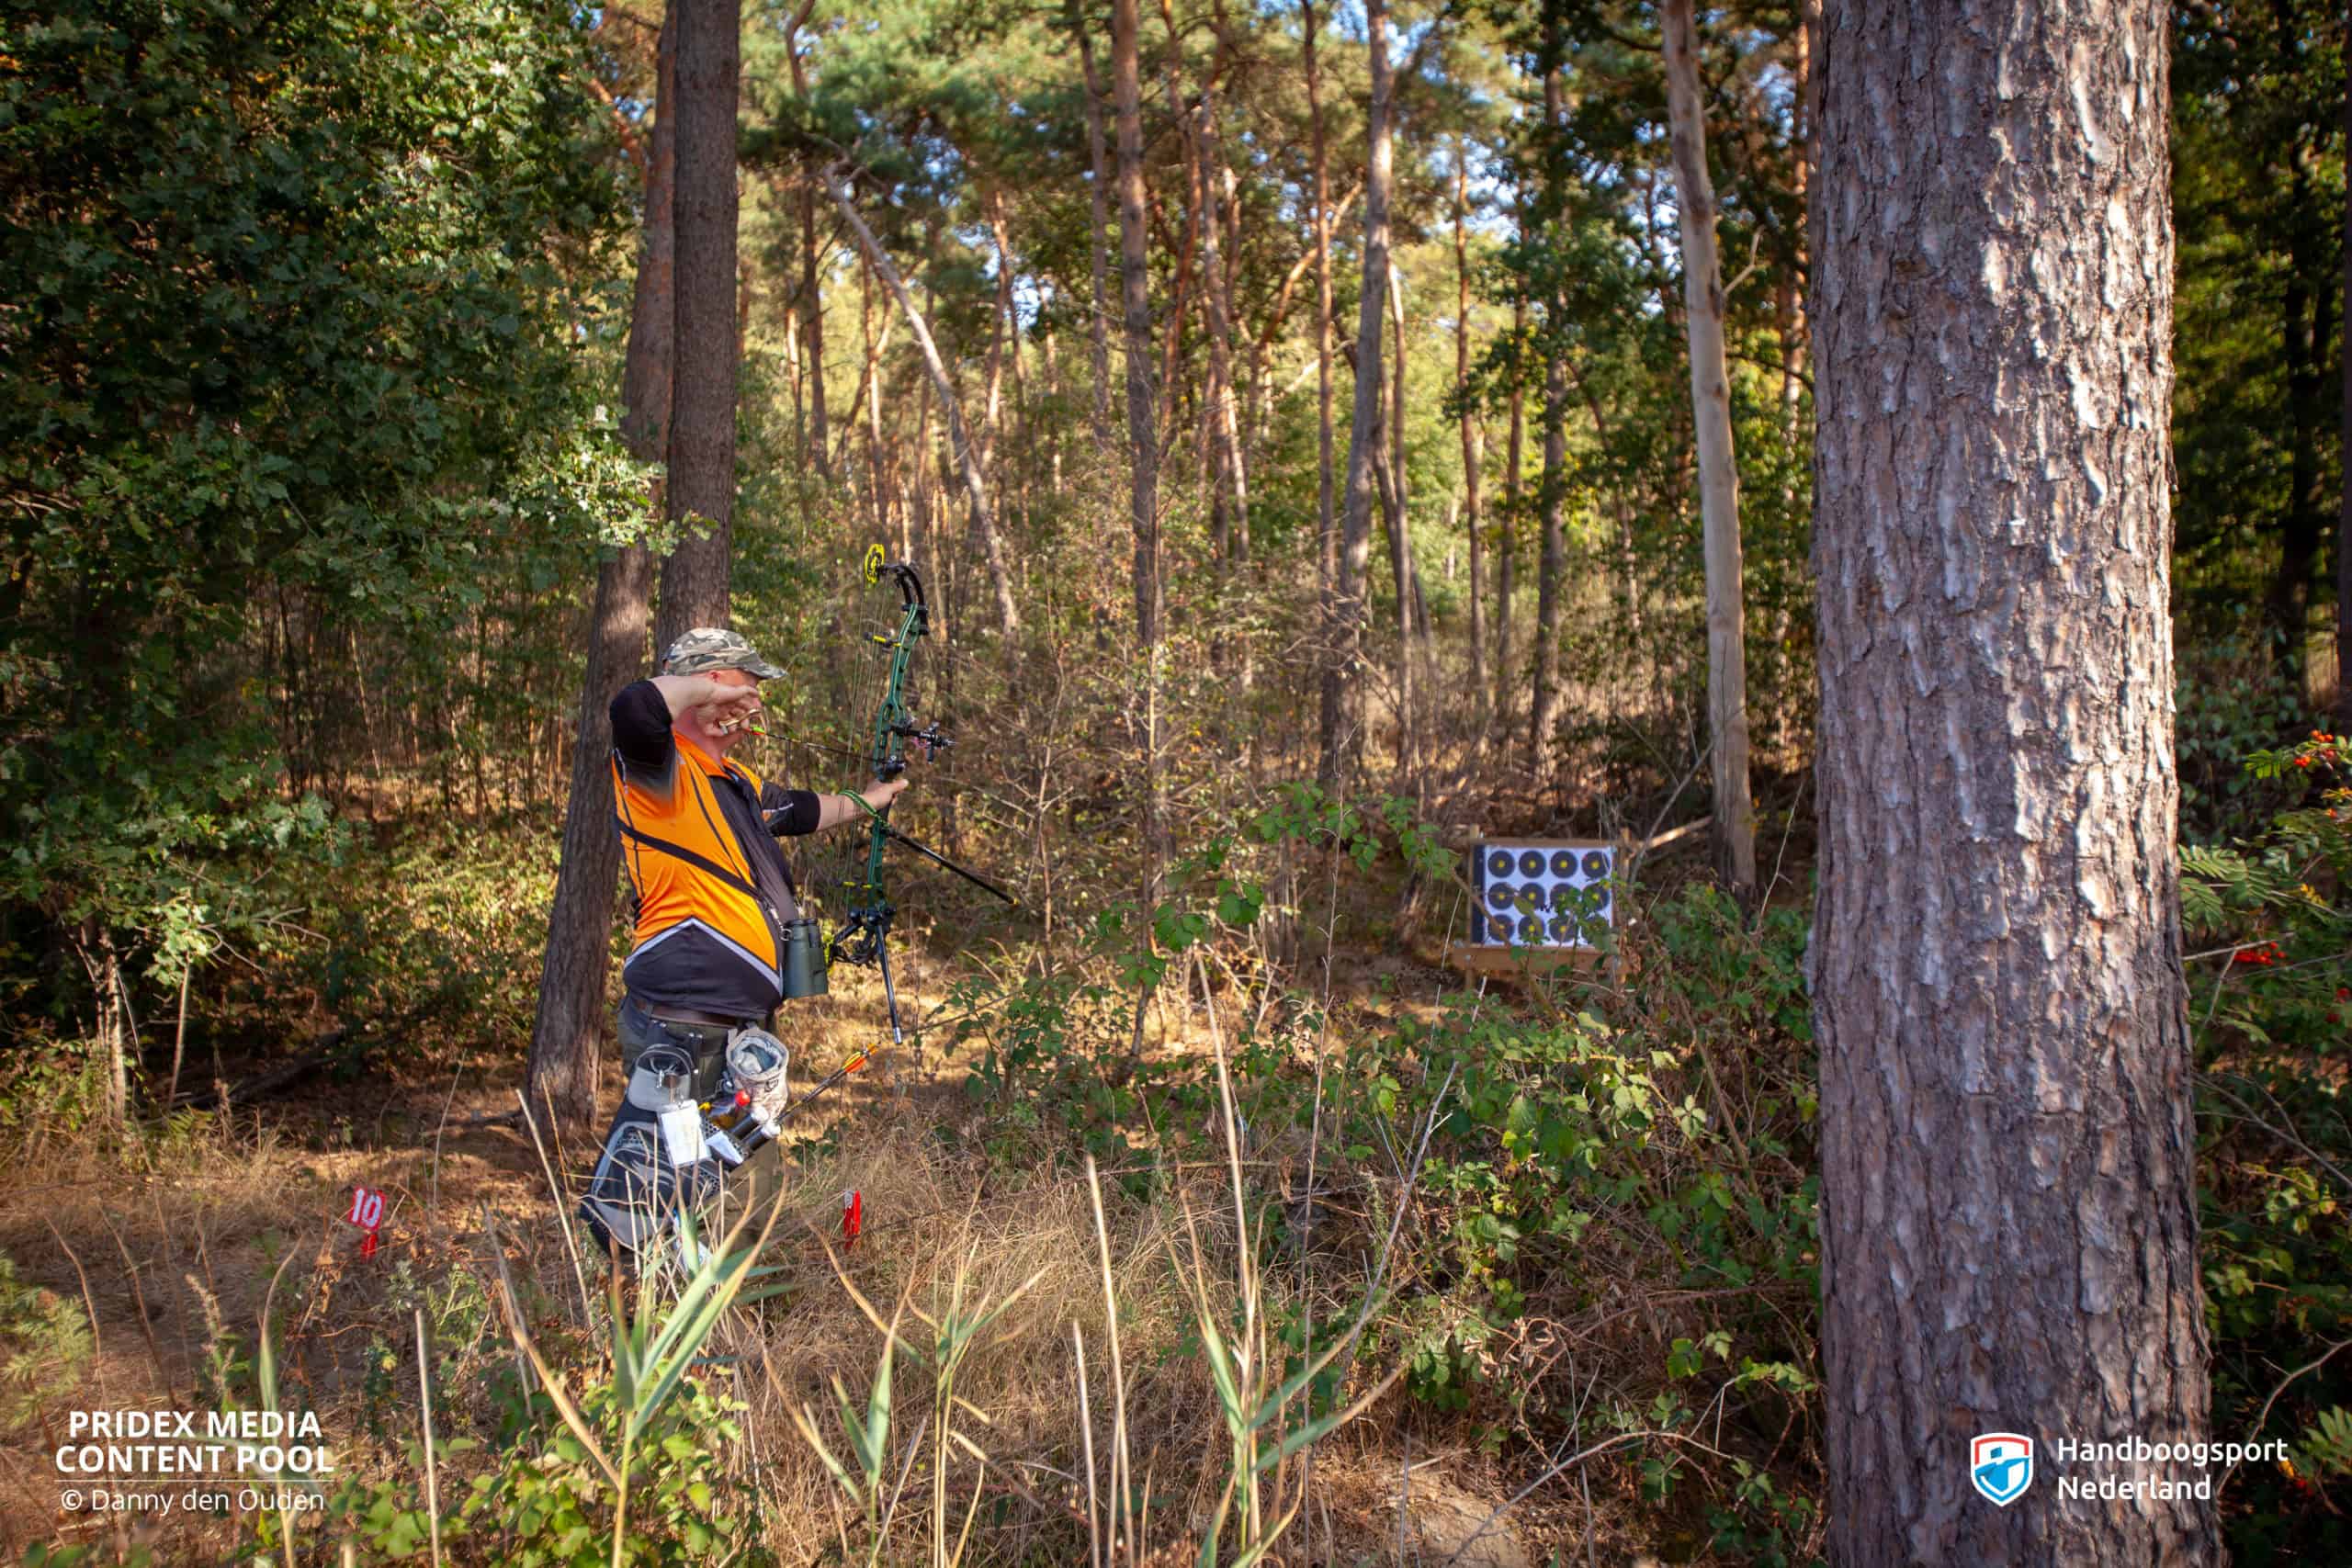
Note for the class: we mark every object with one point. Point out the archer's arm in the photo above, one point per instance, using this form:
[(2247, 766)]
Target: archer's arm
[(790, 812), (643, 712)]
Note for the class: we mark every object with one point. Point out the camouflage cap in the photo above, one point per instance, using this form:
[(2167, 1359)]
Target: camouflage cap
[(706, 648)]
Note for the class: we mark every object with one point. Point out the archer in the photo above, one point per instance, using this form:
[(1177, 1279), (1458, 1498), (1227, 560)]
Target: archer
[(717, 911)]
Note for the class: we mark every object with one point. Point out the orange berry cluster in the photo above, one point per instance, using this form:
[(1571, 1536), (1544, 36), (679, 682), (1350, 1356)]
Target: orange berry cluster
[(2262, 955)]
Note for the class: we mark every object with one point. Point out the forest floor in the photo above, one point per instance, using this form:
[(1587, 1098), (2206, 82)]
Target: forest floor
[(176, 1244)]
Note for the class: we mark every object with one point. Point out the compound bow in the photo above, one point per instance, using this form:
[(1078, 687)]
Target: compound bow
[(864, 934)]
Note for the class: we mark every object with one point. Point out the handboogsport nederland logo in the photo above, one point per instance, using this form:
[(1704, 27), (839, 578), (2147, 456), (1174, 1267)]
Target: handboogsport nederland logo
[(2001, 1465)]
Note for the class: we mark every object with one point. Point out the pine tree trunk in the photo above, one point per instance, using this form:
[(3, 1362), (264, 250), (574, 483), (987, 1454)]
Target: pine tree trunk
[(1098, 225), (1340, 738), (1474, 444), (1135, 292), (1002, 323), (813, 335), (812, 298), (2008, 1215), (2344, 511), (1224, 421), (702, 420), (1506, 540), (567, 1031), (1325, 534), (1400, 541), (876, 481), (2303, 340), (1702, 320), (1544, 712)]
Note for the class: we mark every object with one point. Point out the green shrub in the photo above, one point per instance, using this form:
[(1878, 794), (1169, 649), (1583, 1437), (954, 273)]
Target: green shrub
[(45, 1344), (2270, 994)]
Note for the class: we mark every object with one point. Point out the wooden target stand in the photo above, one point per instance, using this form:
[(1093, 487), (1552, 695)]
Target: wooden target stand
[(1540, 904)]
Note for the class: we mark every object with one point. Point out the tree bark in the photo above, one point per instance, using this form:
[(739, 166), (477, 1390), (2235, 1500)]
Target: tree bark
[(1325, 534), (1544, 712), (877, 480), (1341, 722), (812, 298), (1135, 294), (1098, 225), (1789, 301), (976, 488), (702, 425), (2303, 341), (567, 1031), (1391, 474), (2344, 510), (1225, 423), (2008, 1217), (1507, 537), (1473, 443), (1702, 320), (1003, 324)]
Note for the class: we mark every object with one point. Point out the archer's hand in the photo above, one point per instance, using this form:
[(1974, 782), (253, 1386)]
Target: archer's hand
[(715, 702), (881, 794)]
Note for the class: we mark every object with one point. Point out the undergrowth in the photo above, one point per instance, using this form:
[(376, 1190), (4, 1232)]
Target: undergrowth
[(1563, 1228)]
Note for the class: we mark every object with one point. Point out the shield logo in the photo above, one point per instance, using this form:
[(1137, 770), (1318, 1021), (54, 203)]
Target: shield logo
[(2000, 1465)]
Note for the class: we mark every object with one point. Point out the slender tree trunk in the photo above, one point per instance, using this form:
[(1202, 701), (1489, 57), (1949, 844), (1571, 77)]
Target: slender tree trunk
[(1053, 395), (1396, 387), (1473, 443), (2009, 1211), (991, 402), (976, 488), (567, 1032), (1134, 285), (1507, 537), (1400, 544), (812, 298), (1098, 224), (1228, 206), (1325, 534), (2301, 531), (876, 480), (1703, 294), (1544, 714), (1142, 441), (813, 335), (1225, 424), (2344, 511), (1341, 728), (925, 467), (702, 425), (1180, 286), (797, 374)]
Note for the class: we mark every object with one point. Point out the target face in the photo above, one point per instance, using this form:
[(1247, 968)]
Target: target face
[(1541, 895)]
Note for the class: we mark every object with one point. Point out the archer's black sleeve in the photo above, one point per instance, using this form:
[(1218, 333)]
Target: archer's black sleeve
[(641, 733), (788, 812)]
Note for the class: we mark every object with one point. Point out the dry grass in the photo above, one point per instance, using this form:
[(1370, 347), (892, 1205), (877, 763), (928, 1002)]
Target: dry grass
[(179, 1242)]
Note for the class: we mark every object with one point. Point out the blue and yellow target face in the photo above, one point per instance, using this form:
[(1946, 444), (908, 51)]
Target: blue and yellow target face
[(1541, 895)]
